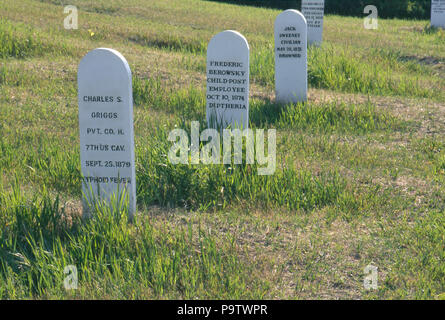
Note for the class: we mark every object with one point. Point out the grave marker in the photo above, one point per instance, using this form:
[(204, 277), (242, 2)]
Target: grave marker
[(290, 57), (313, 11), (228, 81), (438, 13), (106, 126)]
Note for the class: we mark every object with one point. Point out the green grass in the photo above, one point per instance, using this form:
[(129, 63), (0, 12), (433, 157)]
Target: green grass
[(218, 186), (134, 260), (359, 175), (21, 41), (377, 72), (14, 44), (325, 117), (421, 259)]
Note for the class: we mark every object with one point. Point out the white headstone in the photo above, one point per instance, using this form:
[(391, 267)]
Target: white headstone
[(106, 126), (438, 13), (313, 11), (290, 57), (228, 81)]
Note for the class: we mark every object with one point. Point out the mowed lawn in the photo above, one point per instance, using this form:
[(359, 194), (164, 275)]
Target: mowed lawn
[(360, 166)]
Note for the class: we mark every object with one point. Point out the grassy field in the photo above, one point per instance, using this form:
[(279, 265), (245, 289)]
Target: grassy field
[(360, 166)]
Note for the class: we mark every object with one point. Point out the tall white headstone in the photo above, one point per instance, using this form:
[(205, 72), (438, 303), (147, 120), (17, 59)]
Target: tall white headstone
[(313, 11), (438, 13), (290, 57), (228, 81), (106, 127)]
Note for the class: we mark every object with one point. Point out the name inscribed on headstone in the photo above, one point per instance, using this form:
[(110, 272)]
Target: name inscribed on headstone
[(290, 44), (438, 13), (106, 127), (313, 11), (228, 81), (290, 57)]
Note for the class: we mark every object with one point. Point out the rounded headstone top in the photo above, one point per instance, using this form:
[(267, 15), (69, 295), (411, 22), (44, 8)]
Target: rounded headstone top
[(290, 13), (230, 35), (107, 54)]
